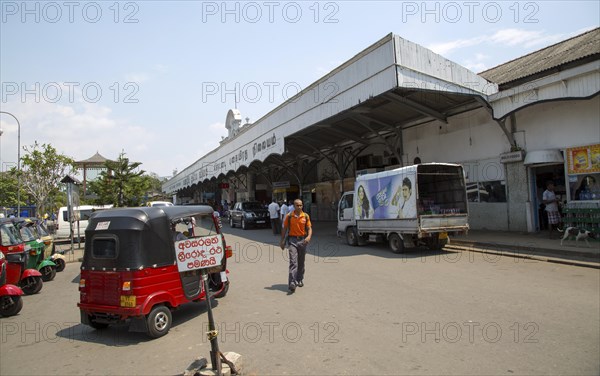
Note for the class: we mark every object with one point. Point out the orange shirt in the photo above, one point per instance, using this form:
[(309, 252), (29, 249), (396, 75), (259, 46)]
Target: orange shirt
[(298, 224)]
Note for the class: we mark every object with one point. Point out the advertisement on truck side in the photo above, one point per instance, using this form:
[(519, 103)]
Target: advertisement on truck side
[(386, 197)]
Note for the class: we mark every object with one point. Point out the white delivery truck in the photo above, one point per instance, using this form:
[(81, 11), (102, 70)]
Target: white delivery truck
[(413, 205)]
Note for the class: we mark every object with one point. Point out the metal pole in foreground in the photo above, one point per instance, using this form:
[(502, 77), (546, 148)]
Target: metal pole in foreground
[(18, 163), (215, 354)]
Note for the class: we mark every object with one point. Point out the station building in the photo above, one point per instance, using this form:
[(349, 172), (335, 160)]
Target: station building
[(396, 103)]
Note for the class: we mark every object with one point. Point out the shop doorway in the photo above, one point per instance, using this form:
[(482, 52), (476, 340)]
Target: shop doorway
[(541, 174)]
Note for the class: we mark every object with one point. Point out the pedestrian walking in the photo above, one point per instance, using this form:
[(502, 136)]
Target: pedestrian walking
[(283, 211), (296, 235), (274, 214)]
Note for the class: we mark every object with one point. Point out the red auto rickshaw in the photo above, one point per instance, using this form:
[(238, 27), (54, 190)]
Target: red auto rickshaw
[(11, 302), (134, 265), (16, 252)]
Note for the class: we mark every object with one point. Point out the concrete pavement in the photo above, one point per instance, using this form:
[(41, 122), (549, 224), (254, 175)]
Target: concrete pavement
[(518, 244), (509, 243)]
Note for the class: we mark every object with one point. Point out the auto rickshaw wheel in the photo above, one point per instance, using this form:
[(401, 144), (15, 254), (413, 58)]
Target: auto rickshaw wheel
[(48, 273), (159, 321), (11, 305), (60, 264), (31, 285), (223, 292), (396, 243)]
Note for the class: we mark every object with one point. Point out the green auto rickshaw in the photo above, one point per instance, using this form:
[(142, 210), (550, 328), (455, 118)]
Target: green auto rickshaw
[(35, 249)]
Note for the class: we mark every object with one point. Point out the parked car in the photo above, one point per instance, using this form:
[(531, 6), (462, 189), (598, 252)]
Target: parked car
[(249, 214)]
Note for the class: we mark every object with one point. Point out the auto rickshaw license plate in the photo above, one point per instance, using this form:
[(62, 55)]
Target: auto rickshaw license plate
[(128, 301), (443, 235)]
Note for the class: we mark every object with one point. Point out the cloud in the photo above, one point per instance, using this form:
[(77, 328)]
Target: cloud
[(137, 77), (511, 37), (160, 68), (76, 130), (448, 47)]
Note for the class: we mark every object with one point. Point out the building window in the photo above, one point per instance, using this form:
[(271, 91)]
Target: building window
[(487, 191)]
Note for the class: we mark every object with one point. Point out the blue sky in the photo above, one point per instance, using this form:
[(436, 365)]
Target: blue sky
[(155, 78)]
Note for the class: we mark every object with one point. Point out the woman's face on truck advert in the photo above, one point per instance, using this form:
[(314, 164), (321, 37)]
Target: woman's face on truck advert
[(361, 193)]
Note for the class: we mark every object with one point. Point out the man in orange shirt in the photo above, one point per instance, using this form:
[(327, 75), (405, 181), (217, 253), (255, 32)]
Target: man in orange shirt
[(297, 227)]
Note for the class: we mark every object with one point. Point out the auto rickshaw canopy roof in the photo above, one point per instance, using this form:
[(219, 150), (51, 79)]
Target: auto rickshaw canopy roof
[(142, 236)]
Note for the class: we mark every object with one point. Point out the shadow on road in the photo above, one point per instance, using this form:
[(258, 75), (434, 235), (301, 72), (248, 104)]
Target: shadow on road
[(326, 246), (278, 287), (119, 334)]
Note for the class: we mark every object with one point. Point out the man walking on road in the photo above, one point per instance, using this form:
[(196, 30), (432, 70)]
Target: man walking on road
[(274, 214), (297, 227)]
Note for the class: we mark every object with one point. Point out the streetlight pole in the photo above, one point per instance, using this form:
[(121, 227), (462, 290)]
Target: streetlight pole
[(1, 131), (18, 162)]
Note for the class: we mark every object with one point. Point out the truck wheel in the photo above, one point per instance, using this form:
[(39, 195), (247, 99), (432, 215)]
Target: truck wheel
[(433, 243), (396, 243), (352, 236), (159, 321)]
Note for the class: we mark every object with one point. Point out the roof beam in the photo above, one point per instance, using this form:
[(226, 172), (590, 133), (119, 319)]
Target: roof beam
[(345, 135), (418, 107)]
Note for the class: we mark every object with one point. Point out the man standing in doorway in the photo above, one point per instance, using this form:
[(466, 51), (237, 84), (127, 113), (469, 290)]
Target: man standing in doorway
[(274, 214), (297, 226), (549, 199)]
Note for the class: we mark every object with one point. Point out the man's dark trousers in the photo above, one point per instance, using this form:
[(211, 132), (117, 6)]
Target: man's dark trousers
[(275, 226), (297, 251)]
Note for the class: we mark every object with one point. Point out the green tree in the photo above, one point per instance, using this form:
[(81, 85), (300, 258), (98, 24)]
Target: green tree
[(120, 184), (8, 190), (42, 169)]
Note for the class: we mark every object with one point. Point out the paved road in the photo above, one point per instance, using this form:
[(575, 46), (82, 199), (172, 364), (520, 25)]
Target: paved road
[(362, 311)]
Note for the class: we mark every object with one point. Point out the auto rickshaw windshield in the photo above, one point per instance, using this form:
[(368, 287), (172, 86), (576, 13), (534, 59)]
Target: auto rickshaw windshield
[(27, 234), (9, 234)]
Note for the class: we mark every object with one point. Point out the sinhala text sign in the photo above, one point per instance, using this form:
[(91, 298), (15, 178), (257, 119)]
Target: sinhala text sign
[(199, 253)]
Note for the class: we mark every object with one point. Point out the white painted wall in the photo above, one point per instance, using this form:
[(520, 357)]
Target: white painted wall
[(469, 136), (558, 125)]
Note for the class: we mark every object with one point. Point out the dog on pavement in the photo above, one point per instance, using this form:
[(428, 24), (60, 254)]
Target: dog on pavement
[(578, 234)]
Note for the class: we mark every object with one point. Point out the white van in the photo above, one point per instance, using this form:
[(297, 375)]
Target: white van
[(159, 203), (81, 214)]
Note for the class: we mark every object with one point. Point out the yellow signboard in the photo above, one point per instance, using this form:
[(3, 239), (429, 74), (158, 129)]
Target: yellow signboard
[(583, 159)]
